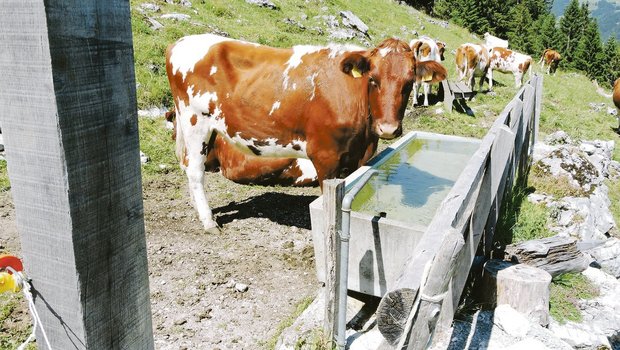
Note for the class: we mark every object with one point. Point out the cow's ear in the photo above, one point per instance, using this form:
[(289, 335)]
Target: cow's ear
[(355, 64)]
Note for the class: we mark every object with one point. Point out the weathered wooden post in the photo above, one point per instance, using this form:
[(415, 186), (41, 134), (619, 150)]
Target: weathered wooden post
[(69, 122), (333, 193)]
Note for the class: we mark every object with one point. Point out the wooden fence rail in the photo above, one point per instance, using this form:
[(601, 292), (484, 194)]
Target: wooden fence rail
[(435, 274)]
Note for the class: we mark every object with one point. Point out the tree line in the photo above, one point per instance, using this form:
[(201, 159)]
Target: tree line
[(530, 27)]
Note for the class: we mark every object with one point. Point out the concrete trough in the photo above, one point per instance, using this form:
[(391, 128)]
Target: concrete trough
[(392, 211)]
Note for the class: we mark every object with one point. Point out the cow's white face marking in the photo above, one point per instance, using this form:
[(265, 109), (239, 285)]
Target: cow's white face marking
[(213, 70), (308, 171), (275, 106), (191, 49)]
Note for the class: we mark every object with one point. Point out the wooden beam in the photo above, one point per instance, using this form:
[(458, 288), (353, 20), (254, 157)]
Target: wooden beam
[(70, 126), (333, 193)]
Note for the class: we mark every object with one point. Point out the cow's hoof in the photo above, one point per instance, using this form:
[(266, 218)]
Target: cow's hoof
[(213, 230)]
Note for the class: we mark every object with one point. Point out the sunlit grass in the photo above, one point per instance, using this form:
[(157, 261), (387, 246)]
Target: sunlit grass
[(566, 290)]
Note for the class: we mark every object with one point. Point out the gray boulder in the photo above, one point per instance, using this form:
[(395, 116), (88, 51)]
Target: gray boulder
[(352, 21), (263, 3)]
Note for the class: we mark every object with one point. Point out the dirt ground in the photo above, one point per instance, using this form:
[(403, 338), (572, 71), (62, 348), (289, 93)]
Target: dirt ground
[(196, 280)]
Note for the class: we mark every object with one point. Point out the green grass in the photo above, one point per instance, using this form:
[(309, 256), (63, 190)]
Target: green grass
[(316, 340), (566, 290), (13, 334), (156, 142), (4, 177)]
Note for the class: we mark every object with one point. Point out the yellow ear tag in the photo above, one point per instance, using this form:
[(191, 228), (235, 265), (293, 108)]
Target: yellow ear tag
[(356, 73), (428, 77)]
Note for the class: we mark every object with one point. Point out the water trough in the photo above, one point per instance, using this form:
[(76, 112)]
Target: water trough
[(392, 211)]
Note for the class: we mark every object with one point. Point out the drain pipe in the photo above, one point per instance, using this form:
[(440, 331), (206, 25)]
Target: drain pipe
[(345, 234)]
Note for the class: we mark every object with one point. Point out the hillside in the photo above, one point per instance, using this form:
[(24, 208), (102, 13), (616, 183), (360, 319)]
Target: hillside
[(607, 13), (266, 244)]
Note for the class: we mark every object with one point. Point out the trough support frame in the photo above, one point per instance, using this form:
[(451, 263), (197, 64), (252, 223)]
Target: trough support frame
[(70, 128)]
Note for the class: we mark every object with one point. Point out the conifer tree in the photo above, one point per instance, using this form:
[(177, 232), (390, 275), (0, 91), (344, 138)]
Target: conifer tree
[(520, 34), (611, 61), (571, 28)]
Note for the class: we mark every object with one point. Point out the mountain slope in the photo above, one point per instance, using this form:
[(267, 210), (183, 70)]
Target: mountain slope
[(607, 13)]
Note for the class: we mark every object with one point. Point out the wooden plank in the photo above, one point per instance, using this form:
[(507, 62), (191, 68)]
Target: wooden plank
[(70, 124), (448, 95), (333, 193), (538, 108)]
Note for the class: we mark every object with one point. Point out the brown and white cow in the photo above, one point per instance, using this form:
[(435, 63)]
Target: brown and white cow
[(508, 61), (551, 58), (472, 60), (426, 49), (326, 104)]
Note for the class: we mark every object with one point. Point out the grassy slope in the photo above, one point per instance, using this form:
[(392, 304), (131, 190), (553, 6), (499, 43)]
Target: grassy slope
[(566, 96)]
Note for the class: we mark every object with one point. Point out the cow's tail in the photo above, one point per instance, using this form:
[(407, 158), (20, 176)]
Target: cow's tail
[(543, 56), (177, 134)]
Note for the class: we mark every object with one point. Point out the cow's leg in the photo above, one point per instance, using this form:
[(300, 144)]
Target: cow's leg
[(415, 93), (518, 77), (490, 78), (195, 171), (427, 88)]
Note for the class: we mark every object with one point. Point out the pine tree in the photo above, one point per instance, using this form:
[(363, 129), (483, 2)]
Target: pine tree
[(444, 8), (548, 34), (520, 33), (470, 14), (571, 28), (611, 61)]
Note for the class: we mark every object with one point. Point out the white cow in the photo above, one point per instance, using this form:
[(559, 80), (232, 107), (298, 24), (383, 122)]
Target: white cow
[(493, 41)]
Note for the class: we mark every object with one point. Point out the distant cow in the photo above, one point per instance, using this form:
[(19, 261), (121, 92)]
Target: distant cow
[(493, 41), (508, 61), (426, 49), (326, 104), (551, 58), (472, 60)]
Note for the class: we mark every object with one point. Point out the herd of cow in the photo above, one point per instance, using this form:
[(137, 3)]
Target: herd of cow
[(300, 115)]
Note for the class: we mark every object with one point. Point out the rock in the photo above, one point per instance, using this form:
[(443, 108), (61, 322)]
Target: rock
[(538, 198), (292, 22), (558, 137), (597, 107), (155, 25), (528, 344), (176, 16), (263, 3), (153, 112), (1, 143), (443, 24), (241, 287), (180, 321), (150, 7), (352, 21), (607, 256), (511, 321), (612, 111), (329, 21), (186, 3), (144, 158), (342, 34)]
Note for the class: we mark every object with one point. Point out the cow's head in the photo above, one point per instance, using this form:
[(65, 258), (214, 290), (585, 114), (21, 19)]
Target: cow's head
[(389, 70), (442, 48)]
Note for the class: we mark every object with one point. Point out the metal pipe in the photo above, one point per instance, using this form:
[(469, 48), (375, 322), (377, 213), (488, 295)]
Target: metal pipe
[(345, 234)]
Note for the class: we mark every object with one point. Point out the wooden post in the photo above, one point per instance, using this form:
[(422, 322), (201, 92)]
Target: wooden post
[(333, 193), (70, 126)]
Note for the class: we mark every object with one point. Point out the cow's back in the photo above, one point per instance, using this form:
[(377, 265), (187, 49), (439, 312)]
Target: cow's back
[(506, 60)]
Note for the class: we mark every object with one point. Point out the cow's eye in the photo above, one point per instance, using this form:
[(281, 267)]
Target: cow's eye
[(373, 82)]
